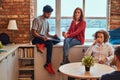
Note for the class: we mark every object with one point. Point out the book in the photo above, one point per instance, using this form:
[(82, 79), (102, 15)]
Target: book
[(53, 39), (24, 79)]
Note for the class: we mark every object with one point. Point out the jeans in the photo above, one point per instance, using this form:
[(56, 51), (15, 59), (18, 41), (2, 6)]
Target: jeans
[(48, 44), (68, 43)]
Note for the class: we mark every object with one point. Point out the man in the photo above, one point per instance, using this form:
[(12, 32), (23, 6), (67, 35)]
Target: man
[(116, 74), (42, 38)]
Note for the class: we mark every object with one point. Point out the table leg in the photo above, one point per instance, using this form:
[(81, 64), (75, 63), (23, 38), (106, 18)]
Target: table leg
[(70, 78)]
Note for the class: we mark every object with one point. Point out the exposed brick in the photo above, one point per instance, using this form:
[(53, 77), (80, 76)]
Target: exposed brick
[(114, 16), (20, 11), (24, 16), (18, 0), (12, 16)]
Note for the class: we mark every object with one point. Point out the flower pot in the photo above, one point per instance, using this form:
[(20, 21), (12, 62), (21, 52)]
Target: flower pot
[(87, 68)]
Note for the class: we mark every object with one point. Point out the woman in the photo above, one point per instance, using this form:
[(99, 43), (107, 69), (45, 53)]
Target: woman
[(75, 34), (102, 52)]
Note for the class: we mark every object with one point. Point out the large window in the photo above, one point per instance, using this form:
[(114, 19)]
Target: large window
[(95, 15)]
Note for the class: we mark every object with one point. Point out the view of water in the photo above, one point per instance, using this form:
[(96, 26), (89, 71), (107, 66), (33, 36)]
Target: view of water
[(92, 25)]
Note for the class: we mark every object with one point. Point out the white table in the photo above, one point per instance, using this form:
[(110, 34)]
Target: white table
[(77, 70)]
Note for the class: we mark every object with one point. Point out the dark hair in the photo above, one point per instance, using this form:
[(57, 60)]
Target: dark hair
[(82, 15), (105, 33), (117, 52), (47, 8)]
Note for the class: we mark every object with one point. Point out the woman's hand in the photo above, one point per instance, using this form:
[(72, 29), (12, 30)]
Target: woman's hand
[(103, 61), (64, 34), (98, 40)]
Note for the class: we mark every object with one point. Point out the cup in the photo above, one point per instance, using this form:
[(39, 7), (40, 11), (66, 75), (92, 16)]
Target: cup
[(63, 33)]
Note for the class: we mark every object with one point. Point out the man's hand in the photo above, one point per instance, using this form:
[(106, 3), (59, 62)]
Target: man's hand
[(45, 38), (55, 36)]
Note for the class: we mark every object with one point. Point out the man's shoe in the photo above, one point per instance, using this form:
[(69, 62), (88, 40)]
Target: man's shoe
[(48, 67), (40, 47)]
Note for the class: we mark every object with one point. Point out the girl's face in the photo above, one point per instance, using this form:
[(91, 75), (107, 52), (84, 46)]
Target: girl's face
[(77, 14), (100, 38)]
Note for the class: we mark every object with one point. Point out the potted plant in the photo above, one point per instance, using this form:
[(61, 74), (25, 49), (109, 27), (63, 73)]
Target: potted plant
[(1, 46), (88, 61)]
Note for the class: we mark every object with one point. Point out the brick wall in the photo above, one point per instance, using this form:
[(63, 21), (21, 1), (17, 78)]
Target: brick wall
[(114, 14), (23, 12), (20, 11)]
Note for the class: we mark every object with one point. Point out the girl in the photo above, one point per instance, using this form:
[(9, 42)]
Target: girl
[(75, 34), (100, 50)]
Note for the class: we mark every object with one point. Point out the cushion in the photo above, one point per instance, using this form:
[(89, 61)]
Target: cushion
[(114, 36)]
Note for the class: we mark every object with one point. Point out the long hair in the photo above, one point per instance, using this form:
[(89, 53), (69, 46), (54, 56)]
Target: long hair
[(81, 16)]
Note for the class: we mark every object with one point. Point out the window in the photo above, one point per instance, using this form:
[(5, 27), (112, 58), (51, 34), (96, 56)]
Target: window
[(95, 15), (42, 3)]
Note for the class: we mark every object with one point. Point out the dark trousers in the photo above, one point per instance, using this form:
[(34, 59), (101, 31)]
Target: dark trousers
[(48, 44)]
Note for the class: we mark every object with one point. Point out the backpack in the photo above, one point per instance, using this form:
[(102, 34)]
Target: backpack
[(4, 38)]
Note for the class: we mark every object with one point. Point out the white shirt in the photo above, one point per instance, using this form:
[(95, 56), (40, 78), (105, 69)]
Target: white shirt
[(100, 52)]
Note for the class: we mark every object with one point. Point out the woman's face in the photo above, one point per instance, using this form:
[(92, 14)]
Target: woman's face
[(77, 14), (100, 38)]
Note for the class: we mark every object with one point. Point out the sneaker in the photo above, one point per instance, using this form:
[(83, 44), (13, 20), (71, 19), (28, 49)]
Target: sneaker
[(48, 67), (40, 47)]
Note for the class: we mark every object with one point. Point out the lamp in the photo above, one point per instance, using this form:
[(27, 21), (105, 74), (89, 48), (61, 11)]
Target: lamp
[(12, 25)]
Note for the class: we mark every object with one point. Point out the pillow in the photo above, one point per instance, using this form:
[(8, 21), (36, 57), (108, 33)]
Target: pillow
[(114, 36), (114, 41), (115, 32)]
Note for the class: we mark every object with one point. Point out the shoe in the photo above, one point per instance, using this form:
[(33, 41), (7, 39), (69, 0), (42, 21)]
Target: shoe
[(63, 64), (48, 67), (40, 47)]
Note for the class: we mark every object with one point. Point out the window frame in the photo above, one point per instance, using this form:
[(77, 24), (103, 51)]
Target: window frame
[(58, 16)]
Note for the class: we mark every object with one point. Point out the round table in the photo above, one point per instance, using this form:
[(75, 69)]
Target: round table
[(77, 70)]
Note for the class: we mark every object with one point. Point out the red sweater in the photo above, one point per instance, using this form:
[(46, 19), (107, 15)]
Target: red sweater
[(77, 31)]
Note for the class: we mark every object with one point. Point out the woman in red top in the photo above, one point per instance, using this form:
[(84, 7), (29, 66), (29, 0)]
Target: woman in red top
[(75, 34)]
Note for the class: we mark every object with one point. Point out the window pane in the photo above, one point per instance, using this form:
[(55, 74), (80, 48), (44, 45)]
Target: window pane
[(52, 26), (95, 8), (42, 3), (65, 23), (68, 6), (93, 25)]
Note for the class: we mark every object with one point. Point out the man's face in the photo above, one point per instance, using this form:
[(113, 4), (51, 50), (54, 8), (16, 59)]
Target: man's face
[(47, 14)]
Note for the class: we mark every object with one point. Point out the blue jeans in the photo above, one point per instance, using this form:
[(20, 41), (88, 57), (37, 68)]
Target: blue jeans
[(68, 43), (48, 44)]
